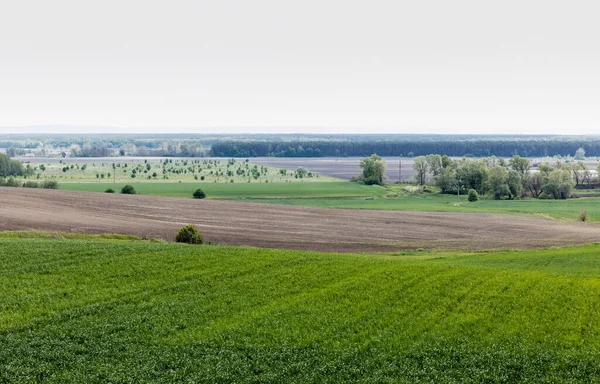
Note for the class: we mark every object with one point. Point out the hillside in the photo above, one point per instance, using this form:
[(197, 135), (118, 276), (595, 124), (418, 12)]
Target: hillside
[(100, 310)]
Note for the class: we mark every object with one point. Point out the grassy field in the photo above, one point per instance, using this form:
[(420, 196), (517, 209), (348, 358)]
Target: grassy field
[(562, 209), (98, 310), (167, 170), (242, 190)]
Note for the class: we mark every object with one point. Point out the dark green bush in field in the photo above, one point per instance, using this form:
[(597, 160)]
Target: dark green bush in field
[(50, 184), (473, 195), (199, 194), (30, 184), (128, 190), (109, 190), (190, 235)]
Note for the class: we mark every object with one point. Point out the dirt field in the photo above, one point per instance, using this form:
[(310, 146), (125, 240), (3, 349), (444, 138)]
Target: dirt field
[(278, 226)]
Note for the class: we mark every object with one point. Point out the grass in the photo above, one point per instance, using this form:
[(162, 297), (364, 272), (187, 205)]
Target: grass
[(243, 190), (95, 310), (560, 209), (174, 170)]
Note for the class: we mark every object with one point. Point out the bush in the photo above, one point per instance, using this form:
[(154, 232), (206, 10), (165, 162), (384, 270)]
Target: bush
[(11, 182), (189, 235), (30, 184), (128, 190), (50, 184), (543, 196), (199, 194), (473, 195), (582, 216), (109, 190)]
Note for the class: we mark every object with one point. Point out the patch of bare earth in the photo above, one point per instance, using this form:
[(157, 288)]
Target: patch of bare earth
[(277, 226)]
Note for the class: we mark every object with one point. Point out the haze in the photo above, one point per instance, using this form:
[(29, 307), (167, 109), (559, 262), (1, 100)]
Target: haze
[(303, 66)]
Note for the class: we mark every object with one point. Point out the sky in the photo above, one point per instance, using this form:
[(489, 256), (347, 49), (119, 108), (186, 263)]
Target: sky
[(326, 66)]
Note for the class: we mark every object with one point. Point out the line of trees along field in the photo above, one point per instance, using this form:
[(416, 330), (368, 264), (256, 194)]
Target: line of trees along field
[(10, 167), (469, 148), (501, 179)]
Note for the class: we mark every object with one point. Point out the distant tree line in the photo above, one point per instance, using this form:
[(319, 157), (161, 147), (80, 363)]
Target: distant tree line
[(468, 148), (10, 167)]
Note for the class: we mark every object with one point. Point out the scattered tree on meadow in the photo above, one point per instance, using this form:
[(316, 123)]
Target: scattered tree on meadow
[(128, 190), (373, 170), (199, 194), (473, 195), (189, 235), (498, 182), (420, 167)]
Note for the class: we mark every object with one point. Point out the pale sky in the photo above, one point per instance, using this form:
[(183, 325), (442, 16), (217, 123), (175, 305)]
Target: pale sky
[(333, 66)]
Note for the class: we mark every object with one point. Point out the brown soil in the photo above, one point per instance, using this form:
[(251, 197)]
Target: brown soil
[(276, 226)]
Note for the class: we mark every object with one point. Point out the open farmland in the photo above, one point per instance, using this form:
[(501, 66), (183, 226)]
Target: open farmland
[(278, 226), (98, 311)]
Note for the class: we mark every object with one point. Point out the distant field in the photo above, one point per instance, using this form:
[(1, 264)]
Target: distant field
[(241, 190), (132, 311), (561, 209)]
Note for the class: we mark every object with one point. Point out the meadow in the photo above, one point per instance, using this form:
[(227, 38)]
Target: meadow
[(93, 309), (434, 202), (241, 190)]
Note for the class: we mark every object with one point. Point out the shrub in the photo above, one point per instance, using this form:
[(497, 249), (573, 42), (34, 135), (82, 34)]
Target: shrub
[(543, 196), (582, 216), (473, 195), (189, 235), (50, 184), (30, 184), (202, 177), (199, 194), (128, 190), (110, 190)]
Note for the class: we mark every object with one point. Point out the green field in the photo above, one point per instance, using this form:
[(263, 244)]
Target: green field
[(102, 310), (241, 190), (561, 209)]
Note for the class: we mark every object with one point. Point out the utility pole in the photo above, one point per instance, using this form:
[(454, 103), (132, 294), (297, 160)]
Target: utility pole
[(399, 171)]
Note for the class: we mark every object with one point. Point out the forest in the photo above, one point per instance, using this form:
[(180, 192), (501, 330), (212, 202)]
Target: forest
[(409, 148)]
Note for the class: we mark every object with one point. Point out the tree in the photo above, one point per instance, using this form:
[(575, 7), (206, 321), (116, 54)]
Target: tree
[(373, 170), (580, 154), (128, 190), (420, 167), (473, 195), (199, 194), (560, 184), (435, 164), (497, 182), (189, 235), (519, 164), (514, 184), (533, 183), (446, 180)]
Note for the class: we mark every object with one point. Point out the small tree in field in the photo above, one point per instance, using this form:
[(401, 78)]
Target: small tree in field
[(128, 190), (473, 195), (189, 235), (199, 194)]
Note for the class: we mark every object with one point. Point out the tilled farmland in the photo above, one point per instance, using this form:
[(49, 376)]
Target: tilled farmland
[(277, 226)]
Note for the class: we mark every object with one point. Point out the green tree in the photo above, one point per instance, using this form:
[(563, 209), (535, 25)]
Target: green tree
[(199, 194), (519, 164), (435, 164), (128, 190), (498, 182), (473, 195), (559, 184), (580, 154), (373, 170), (189, 235), (420, 167), (515, 185)]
